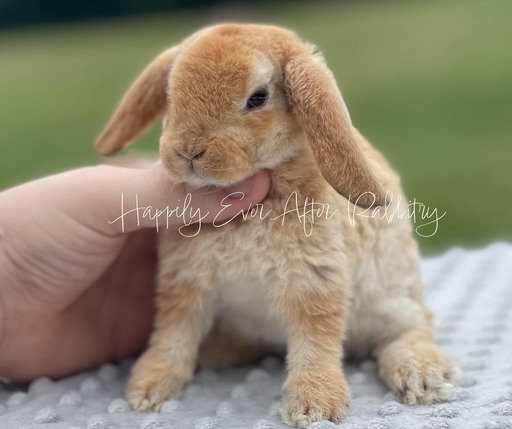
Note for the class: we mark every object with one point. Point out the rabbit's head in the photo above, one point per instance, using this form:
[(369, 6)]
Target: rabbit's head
[(234, 100)]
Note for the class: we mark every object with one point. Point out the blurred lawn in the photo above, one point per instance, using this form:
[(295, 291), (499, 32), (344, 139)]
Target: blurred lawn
[(430, 83)]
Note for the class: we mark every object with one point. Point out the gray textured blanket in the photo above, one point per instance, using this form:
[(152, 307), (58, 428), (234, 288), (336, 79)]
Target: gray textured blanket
[(471, 294)]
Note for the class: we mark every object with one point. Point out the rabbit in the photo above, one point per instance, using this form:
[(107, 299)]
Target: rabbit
[(317, 275)]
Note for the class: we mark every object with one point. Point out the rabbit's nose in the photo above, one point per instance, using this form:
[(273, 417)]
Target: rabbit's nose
[(194, 156), (198, 155)]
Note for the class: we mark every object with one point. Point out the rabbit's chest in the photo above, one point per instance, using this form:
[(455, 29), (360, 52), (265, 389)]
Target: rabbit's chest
[(246, 306), (248, 275), (258, 259)]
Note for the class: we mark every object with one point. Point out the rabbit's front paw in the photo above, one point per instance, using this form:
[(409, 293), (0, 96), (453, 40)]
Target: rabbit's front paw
[(313, 396), (417, 371), (423, 381), (154, 380)]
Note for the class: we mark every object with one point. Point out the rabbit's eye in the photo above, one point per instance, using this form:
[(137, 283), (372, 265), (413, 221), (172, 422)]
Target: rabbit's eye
[(257, 99)]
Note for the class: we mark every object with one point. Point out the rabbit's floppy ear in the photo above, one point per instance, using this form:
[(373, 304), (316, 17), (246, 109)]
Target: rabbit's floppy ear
[(317, 103), (142, 104)]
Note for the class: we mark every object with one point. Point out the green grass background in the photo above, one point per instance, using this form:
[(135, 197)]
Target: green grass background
[(428, 82)]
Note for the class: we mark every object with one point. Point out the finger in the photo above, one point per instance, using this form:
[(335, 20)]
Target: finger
[(113, 199), (134, 159), (134, 199), (226, 203)]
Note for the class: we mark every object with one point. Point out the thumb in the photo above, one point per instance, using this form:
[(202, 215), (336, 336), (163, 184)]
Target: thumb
[(136, 198)]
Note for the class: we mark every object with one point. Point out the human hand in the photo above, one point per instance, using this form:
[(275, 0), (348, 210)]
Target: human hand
[(75, 291)]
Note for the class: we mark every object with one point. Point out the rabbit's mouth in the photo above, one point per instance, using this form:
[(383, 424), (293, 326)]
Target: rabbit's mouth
[(215, 167), (197, 178)]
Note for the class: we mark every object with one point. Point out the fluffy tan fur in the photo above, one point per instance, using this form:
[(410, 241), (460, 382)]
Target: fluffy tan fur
[(267, 281)]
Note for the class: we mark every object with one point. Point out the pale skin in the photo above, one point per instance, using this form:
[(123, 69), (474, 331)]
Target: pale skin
[(76, 291)]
